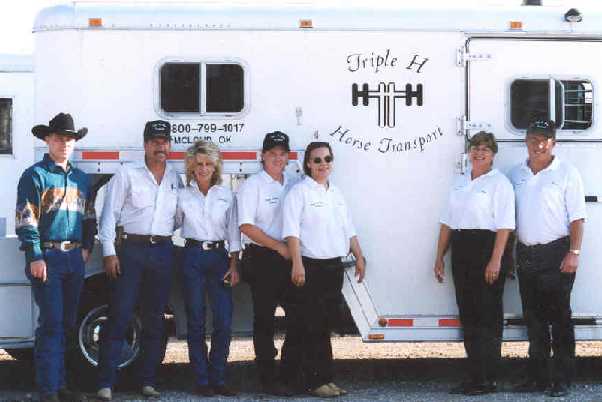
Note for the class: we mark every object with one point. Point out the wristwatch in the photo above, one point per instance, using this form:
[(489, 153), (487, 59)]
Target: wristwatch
[(575, 251)]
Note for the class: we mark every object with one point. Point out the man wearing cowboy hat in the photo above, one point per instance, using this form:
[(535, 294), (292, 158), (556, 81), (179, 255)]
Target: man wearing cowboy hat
[(55, 223), (142, 198)]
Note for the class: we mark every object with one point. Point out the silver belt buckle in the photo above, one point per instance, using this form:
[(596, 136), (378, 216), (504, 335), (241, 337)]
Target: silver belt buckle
[(207, 245), (63, 245), (152, 240)]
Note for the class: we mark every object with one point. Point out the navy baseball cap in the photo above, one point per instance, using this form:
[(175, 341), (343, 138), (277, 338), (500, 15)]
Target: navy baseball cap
[(157, 129), (547, 128), (275, 139)]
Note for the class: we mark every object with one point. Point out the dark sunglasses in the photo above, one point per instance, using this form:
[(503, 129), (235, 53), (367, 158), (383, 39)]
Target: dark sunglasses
[(317, 160)]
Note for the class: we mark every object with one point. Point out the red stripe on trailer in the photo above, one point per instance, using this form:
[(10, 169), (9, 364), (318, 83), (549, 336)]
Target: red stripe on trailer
[(239, 156), (176, 155), (400, 322), (100, 155), (449, 322), (293, 156)]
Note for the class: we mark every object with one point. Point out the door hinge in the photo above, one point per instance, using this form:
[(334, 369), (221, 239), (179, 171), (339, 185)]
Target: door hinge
[(468, 125), (463, 57)]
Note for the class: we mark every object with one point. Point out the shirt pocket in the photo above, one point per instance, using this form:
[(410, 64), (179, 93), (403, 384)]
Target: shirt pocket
[(219, 211), (142, 197)]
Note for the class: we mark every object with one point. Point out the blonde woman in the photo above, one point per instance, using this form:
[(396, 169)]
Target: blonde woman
[(206, 214)]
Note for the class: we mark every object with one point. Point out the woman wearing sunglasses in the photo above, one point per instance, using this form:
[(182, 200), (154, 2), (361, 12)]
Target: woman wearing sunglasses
[(477, 222), (318, 229), (205, 211)]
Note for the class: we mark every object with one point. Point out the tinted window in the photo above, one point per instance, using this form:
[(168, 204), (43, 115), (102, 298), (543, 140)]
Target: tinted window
[(6, 109), (180, 87), (532, 99), (224, 88)]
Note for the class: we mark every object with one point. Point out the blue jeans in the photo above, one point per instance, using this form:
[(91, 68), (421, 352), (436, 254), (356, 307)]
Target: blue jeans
[(57, 300), (146, 272), (202, 275)]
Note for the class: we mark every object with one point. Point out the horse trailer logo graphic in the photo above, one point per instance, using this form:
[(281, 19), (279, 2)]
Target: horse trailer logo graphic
[(387, 97)]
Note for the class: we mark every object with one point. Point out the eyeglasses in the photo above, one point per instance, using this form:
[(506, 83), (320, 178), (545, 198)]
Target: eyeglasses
[(317, 160), (482, 148)]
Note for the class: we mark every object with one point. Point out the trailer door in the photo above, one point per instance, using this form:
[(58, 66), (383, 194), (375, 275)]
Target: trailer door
[(512, 82)]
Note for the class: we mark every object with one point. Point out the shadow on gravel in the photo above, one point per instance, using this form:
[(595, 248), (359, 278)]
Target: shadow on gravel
[(18, 376)]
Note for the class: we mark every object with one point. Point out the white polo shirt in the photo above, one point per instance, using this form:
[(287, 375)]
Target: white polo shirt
[(547, 202), (259, 202), (135, 201), (208, 217), (319, 218), (486, 202)]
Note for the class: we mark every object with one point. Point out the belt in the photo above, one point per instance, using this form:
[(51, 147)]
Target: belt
[(322, 261), (66, 245), (145, 239), (205, 244), (542, 247)]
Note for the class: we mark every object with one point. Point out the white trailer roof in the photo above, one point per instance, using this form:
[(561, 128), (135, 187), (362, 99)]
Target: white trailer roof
[(15, 63), (209, 16)]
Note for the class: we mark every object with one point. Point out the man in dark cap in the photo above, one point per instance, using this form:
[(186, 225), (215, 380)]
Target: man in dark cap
[(266, 260), (56, 224), (550, 212), (142, 199)]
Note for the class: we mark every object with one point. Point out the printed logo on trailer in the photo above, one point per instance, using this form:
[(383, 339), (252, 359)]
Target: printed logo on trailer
[(386, 98)]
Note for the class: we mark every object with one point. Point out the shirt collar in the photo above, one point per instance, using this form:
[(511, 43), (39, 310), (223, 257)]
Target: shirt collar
[(268, 179), (195, 187), (552, 166), (312, 183), (51, 165)]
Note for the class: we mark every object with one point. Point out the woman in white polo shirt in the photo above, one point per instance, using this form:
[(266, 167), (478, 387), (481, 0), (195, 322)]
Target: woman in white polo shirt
[(205, 211), (319, 231), (477, 221)]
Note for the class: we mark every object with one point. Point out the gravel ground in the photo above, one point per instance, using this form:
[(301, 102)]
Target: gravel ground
[(370, 372)]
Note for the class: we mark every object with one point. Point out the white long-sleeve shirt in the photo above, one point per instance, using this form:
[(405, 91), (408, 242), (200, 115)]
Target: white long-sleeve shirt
[(210, 217), (137, 202)]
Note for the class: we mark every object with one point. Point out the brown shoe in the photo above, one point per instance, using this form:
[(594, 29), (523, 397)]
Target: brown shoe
[(49, 398), (204, 390), (66, 395), (224, 391), (324, 391)]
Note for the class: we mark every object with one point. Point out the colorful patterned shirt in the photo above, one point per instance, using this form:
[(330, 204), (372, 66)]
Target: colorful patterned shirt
[(53, 205)]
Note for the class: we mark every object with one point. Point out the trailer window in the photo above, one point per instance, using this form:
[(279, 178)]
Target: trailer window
[(567, 102), (180, 87), (205, 88), (6, 111)]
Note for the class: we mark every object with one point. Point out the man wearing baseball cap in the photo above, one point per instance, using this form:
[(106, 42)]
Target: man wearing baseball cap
[(266, 260), (550, 213), (141, 199), (56, 224)]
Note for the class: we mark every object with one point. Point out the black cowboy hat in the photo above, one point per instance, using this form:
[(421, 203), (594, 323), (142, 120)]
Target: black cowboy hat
[(62, 123)]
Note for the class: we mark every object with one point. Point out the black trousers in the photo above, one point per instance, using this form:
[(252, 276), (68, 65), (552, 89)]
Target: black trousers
[(268, 275), (546, 299), (313, 309), (480, 305)]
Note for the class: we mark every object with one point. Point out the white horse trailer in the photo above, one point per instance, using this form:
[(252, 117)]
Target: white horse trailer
[(396, 91)]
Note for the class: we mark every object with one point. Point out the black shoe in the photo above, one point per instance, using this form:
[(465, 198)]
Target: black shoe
[(66, 395), (461, 388), (277, 389), (558, 389), (49, 398), (530, 386), (204, 390), (223, 390), (481, 389)]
